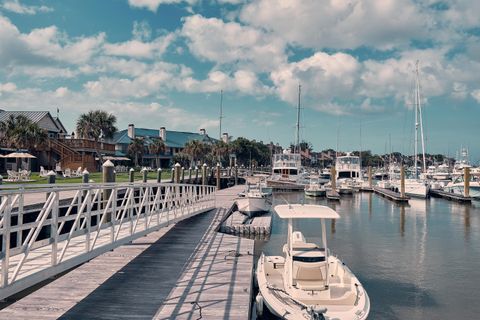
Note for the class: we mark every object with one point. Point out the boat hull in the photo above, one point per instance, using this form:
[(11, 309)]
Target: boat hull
[(252, 206)]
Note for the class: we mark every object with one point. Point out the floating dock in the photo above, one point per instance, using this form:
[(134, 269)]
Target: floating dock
[(257, 227), (391, 195), (450, 196)]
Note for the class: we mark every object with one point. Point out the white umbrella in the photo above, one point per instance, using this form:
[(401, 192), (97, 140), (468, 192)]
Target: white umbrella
[(22, 155)]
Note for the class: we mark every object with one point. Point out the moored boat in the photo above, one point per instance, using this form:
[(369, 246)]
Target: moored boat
[(308, 282)]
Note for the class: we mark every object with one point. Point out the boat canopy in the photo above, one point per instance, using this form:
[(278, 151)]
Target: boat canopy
[(305, 211)]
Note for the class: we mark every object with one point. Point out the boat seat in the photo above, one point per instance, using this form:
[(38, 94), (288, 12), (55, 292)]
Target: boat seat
[(310, 276)]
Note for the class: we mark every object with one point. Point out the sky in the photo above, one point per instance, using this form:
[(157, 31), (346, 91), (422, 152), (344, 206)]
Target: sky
[(161, 63)]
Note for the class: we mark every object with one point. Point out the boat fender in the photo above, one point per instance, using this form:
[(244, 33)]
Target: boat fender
[(259, 304)]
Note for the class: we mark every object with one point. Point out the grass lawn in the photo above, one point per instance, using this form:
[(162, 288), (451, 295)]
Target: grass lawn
[(95, 176)]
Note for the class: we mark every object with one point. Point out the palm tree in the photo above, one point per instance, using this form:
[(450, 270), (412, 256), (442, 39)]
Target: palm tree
[(95, 123), (136, 149), (196, 150), (220, 150), (156, 147), (21, 133)]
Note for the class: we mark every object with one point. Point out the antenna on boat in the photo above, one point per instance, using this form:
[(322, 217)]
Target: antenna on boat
[(297, 135)]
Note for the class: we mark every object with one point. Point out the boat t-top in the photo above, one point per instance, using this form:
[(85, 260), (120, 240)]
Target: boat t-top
[(308, 282)]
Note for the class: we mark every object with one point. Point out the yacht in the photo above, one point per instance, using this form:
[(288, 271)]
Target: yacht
[(348, 167), (457, 186), (308, 282), (315, 189), (442, 172)]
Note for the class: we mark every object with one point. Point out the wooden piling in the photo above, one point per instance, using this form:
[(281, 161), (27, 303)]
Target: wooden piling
[(333, 178), (159, 175), (466, 182), (131, 175), (183, 175), (204, 174), (177, 172), (370, 176), (402, 181), (144, 175), (108, 174), (236, 175), (218, 176), (196, 175)]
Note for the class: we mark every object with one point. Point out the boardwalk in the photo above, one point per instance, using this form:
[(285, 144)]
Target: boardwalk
[(134, 280)]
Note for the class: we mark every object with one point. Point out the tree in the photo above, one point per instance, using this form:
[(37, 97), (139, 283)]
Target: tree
[(136, 148), (21, 133), (220, 150), (94, 123), (156, 147), (196, 150), (181, 158)]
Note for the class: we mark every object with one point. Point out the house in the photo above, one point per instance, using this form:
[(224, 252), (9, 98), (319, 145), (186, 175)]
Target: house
[(175, 142), (61, 150)]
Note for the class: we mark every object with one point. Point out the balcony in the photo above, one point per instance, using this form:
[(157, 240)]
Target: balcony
[(88, 145)]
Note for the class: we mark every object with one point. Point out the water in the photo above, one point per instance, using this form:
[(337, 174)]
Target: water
[(420, 261)]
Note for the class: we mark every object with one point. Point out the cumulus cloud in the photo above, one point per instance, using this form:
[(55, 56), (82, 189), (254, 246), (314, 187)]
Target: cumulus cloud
[(16, 7), (340, 24), (153, 5), (138, 48), (141, 31), (229, 42), (476, 95)]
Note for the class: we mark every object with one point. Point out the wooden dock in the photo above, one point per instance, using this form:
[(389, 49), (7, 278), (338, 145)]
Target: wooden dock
[(170, 273), (450, 196), (391, 195)]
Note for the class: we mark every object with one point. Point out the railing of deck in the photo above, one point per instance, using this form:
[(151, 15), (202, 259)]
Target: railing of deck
[(48, 229)]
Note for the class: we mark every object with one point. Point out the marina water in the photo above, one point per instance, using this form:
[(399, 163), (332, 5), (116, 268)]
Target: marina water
[(419, 261)]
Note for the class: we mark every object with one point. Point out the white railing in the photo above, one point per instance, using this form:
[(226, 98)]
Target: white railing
[(48, 229)]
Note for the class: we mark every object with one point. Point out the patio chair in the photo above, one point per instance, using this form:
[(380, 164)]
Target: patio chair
[(77, 173), (67, 173), (12, 175), (43, 172)]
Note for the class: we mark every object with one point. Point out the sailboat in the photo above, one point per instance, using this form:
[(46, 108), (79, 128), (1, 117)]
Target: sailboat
[(417, 186)]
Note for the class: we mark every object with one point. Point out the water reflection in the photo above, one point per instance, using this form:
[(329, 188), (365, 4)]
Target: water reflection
[(413, 260)]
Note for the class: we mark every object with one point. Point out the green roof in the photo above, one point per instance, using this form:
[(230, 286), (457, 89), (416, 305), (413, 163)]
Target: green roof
[(175, 139)]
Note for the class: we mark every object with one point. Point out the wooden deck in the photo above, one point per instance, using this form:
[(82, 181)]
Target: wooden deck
[(391, 195), (156, 276)]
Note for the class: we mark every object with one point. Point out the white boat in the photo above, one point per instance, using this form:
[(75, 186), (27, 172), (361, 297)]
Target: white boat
[(315, 189), (348, 167), (414, 188), (441, 173), (308, 282), (254, 202), (457, 186)]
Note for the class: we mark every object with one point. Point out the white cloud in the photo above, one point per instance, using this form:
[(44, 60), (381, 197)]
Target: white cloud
[(139, 49), (322, 76), (153, 5), (17, 7), (141, 31), (476, 95), (8, 87), (229, 42), (340, 24)]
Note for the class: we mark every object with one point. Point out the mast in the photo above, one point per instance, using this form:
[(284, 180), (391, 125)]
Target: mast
[(297, 135), (418, 122), (221, 115)]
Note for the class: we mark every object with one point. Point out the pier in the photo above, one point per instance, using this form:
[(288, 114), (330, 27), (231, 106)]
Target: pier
[(450, 196), (178, 267), (391, 195)]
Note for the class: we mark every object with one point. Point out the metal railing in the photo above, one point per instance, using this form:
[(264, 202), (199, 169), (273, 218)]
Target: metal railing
[(48, 229)]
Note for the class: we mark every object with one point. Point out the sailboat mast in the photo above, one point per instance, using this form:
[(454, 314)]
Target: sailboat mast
[(297, 135), (221, 115), (424, 169), (416, 119)]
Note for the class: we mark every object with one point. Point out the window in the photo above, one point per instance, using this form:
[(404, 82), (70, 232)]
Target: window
[(309, 259)]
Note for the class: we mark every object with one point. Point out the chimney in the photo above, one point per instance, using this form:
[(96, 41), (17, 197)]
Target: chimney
[(203, 132), (131, 131), (225, 137), (163, 133)]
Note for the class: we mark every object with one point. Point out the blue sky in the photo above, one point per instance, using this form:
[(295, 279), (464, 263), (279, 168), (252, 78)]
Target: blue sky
[(163, 63)]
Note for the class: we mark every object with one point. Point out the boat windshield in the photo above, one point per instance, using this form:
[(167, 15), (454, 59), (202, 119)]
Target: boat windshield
[(309, 259)]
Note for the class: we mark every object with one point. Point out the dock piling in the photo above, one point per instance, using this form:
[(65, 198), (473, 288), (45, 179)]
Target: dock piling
[(218, 176), (370, 177), (466, 182), (131, 175), (402, 181), (177, 172), (159, 175), (204, 174), (144, 175)]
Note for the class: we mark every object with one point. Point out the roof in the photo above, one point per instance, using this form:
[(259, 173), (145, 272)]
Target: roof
[(36, 117), (305, 211), (60, 125), (175, 139)]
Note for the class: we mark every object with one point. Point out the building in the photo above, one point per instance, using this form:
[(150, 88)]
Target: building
[(61, 151), (175, 142)]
